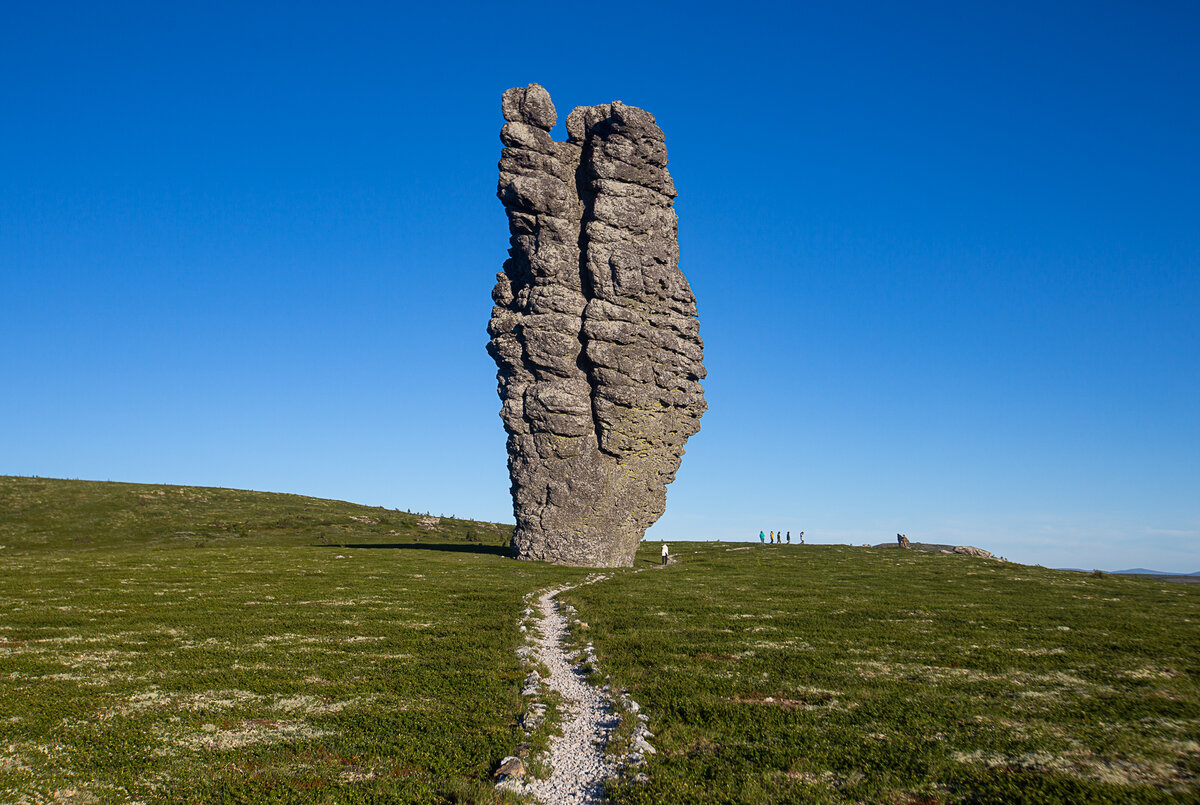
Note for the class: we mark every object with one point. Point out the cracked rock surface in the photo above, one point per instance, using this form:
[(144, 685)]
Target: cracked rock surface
[(594, 330)]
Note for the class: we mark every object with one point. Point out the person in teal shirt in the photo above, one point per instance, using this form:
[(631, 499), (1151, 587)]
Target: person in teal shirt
[(762, 537)]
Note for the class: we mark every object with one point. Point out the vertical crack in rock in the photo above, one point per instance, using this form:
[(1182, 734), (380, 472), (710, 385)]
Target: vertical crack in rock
[(594, 330)]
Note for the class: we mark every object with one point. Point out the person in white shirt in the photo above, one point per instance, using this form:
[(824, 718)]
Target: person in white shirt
[(665, 553)]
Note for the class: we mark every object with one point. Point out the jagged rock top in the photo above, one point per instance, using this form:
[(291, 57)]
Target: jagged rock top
[(530, 105)]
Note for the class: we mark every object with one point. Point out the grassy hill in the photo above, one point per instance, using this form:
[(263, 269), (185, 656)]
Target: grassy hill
[(182, 644), (42, 513)]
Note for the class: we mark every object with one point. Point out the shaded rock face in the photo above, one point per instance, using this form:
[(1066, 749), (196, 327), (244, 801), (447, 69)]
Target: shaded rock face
[(594, 330)]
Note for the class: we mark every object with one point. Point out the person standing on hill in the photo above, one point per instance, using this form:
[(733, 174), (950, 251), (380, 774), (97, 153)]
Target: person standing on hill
[(665, 553), (772, 539), (762, 537), (789, 542), (801, 537)]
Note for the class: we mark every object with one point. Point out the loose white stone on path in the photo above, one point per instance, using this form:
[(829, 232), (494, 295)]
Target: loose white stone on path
[(587, 719), (578, 759)]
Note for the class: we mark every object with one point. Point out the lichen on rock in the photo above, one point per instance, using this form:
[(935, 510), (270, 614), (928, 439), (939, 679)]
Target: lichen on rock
[(594, 330)]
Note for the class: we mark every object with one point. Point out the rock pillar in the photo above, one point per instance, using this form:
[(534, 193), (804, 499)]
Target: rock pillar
[(594, 330)]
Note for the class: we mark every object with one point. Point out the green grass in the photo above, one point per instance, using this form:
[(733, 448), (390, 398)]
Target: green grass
[(176, 644), (169, 644), (777, 674)]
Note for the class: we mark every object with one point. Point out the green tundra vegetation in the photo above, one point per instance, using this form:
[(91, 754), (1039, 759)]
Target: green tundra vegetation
[(193, 645), (777, 674)]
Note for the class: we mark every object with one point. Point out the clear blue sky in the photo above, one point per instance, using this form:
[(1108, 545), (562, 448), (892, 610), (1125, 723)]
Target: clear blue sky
[(947, 256)]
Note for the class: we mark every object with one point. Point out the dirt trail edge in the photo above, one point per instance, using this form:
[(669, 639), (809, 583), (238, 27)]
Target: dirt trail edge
[(577, 758)]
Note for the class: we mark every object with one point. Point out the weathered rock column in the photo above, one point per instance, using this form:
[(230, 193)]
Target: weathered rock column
[(594, 330)]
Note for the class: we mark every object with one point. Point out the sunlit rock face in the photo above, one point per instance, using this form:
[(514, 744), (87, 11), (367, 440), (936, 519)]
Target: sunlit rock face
[(594, 330)]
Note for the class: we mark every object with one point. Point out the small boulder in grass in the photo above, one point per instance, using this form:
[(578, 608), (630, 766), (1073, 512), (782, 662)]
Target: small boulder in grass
[(510, 767)]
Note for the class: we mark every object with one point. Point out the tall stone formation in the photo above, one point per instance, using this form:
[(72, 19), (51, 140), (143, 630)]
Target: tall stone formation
[(594, 330)]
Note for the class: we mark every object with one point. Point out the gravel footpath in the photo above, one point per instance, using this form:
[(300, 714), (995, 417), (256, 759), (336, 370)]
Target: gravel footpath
[(577, 757), (587, 718)]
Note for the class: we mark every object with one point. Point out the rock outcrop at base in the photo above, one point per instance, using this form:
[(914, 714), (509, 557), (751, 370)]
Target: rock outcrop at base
[(594, 330)]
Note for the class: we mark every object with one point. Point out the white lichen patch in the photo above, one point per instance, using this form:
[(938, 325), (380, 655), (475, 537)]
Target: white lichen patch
[(357, 775), (72, 796), (872, 669), (1173, 725), (1080, 762), (809, 704), (79, 679), (825, 779), (99, 659), (790, 645), (212, 700), (245, 733), (59, 641), (273, 641), (209, 642), (1068, 682), (218, 701), (12, 761), (311, 705), (811, 691), (1150, 672)]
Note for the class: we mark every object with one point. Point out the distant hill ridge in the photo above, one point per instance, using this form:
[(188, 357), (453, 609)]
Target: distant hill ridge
[(1135, 571), (40, 513)]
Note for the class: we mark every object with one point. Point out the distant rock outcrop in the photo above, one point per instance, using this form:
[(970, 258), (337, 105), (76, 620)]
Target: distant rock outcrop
[(965, 550), (594, 330)]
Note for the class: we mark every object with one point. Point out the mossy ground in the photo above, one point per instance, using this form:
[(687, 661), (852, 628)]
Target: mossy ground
[(167, 644), (174, 644), (777, 674)]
